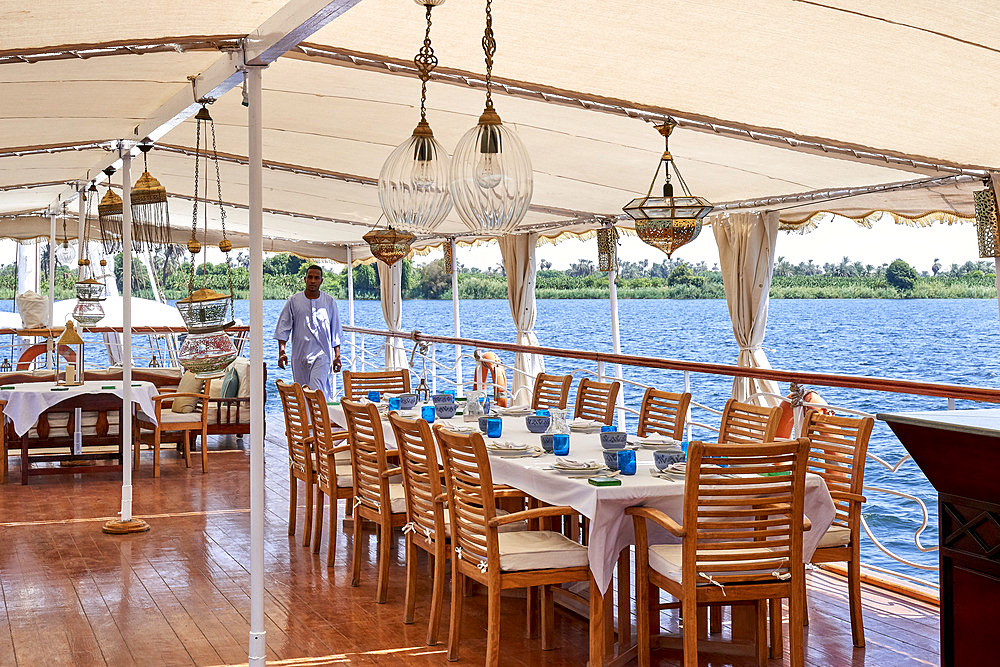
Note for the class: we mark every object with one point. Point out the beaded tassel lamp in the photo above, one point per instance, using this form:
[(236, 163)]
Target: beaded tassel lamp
[(668, 222), (88, 310), (207, 349), (413, 184), (491, 176), (150, 218), (109, 214)]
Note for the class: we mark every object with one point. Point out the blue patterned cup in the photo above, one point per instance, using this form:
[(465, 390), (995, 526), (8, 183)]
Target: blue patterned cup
[(662, 458), (494, 427), (547, 442), (445, 410), (438, 399), (613, 439), (560, 444), (374, 396), (407, 401), (626, 461), (427, 412), (611, 458), (536, 423)]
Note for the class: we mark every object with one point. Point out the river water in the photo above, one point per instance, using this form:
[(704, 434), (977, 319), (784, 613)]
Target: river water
[(947, 341)]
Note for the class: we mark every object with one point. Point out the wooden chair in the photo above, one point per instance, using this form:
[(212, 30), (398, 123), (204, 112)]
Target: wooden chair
[(500, 560), (333, 479), (357, 385), (375, 498), (168, 421), (663, 412), (741, 541), (301, 464), (425, 513), (551, 391), (596, 400), (837, 453), (745, 422)]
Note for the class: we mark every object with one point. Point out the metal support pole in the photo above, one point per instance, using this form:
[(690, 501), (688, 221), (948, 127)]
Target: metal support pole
[(616, 345), (454, 310), (434, 368), (350, 306), (687, 389), (258, 643), (50, 358)]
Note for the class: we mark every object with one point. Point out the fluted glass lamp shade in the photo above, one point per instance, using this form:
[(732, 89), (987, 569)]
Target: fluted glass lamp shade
[(491, 177), (413, 184), (65, 254)]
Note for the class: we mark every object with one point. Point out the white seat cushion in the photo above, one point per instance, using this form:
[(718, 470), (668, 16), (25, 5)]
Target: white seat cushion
[(345, 481), (539, 550), (667, 558), (835, 536), (397, 499), (169, 417)]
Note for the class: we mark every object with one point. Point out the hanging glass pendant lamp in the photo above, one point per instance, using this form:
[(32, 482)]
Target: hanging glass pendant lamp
[(88, 310), (64, 252), (668, 222), (491, 177), (413, 184), (150, 218), (109, 214), (207, 349)]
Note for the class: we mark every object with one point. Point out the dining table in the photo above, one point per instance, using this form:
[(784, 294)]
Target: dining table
[(532, 471)]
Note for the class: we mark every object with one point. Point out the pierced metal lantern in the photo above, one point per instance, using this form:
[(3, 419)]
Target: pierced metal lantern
[(390, 245), (207, 349), (491, 176), (668, 222), (987, 228), (70, 373), (607, 248), (88, 310)]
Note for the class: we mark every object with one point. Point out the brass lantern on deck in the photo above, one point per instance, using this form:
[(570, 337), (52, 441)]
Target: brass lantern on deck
[(70, 374), (207, 349), (668, 222)]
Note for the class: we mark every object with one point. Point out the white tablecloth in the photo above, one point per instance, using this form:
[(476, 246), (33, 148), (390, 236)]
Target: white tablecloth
[(29, 400), (610, 529)]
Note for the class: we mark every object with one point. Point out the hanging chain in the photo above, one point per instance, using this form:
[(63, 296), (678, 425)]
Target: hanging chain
[(194, 209), (222, 218), (489, 48), (426, 61)]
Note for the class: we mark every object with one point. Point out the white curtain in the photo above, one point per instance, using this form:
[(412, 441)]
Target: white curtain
[(518, 252), (390, 280), (746, 255)]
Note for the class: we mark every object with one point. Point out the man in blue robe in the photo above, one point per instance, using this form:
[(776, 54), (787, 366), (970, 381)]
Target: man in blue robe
[(311, 322)]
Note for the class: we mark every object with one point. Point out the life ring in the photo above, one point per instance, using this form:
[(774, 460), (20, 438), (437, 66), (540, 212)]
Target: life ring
[(37, 350), (489, 371), (787, 418)]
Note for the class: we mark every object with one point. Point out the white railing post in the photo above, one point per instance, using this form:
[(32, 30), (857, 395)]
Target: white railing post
[(434, 368), (687, 390), (350, 304), (454, 312)]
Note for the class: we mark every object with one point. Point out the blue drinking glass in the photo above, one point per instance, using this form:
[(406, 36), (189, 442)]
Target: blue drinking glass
[(626, 461), (494, 427), (394, 403), (374, 396), (450, 392), (608, 429), (542, 413), (560, 444), (427, 412), (684, 448)]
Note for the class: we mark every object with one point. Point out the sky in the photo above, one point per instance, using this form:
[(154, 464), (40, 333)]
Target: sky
[(830, 242)]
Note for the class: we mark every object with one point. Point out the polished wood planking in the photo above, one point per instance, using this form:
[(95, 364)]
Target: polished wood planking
[(180, 593)]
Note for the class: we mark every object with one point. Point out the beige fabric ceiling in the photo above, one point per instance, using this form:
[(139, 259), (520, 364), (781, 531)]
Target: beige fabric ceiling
[(914, 78)]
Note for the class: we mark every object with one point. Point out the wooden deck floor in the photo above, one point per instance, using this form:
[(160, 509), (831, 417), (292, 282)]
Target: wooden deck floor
[(179, 595)]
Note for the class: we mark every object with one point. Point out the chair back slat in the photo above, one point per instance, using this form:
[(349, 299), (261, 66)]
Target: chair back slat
[(551, 391), (357, 385), (663, 412), (368, 459), (747, 524), (596, 400), (745, 422), (297, 430), (421, 475), (322, 434), (837, 453), (471, 503)]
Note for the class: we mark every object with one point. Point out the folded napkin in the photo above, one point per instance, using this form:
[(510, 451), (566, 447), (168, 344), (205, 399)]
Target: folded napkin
[(572, 464), (462, 428), (584, 424), (658, 439), (513, 411), (507, 445)]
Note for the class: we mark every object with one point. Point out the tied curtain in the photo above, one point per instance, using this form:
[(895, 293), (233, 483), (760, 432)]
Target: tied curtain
[(518, 253), (390, 282), (746, 254)]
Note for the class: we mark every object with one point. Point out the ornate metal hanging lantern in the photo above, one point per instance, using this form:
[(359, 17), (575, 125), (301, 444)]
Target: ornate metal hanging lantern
[(150, 218), (109, 214), (607, 248), (491, 176), (668, 222), (389, 245), (207, 349), (987, 227), (413, 184), (88, 310)]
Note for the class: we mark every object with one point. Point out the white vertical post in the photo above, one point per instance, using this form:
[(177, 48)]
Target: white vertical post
[(350, 307), (434, 368), (616, 345), (81, 225), (258, 645), (50, 358), (996, 262), (126, 425), (454, 311), (687, 389)]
